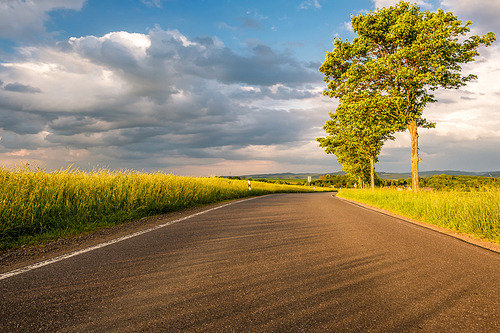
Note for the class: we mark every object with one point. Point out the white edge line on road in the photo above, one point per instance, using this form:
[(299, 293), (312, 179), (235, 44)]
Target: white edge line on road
[(113, 241), (438, 230)]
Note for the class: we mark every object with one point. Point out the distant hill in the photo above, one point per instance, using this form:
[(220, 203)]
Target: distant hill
[(424, 174), (289, 175), (382, 175)]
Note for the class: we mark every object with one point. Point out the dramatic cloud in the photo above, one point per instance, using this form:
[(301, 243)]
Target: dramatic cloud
[(201, 106), (25, 19), (128, 97), (18, 87)]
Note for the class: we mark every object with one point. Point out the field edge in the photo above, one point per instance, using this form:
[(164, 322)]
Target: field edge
[(468, 238)]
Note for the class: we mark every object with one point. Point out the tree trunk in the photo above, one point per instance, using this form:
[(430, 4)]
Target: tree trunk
[(412, 128), (372, 171), (360, 182)]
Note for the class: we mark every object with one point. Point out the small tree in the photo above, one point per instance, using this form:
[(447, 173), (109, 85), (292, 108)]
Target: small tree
[(357, 131), (403, 53)]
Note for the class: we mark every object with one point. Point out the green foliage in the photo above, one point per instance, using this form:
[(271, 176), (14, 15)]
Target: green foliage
[(402, 54), (356, 133), (401, 182), (405, 53), (272, 181), (459, 183), (448, 182), (37, 206), (337, 181)]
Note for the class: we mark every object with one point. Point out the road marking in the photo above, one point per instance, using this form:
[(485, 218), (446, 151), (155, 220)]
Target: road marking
[(113, 241), (492, 248)]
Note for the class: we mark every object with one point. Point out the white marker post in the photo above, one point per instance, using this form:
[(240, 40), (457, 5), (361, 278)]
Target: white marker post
[(249, 187), (309, 180)]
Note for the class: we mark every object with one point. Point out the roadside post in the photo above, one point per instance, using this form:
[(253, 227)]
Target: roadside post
[(309, 180), (249, 187)]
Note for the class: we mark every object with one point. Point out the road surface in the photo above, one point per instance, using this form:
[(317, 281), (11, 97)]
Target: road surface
[(279, 263)]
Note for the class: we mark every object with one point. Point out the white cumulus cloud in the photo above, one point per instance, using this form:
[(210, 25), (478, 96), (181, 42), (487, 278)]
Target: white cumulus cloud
[(22, 19), (123, 98)]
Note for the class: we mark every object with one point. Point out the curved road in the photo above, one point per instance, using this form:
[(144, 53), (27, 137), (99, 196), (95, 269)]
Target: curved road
[(279, 263)]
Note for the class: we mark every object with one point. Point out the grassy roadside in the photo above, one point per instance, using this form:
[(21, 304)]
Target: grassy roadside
[(476, 213), (37, 206)]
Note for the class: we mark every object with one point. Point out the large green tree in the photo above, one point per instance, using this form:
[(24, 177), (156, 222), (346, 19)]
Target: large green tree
[(357, 131), (406, 54), (347, 144)]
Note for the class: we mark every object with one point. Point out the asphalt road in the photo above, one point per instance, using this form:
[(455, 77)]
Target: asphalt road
[(280, 263)]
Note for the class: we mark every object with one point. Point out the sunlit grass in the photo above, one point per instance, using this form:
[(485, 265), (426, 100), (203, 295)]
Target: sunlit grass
[(475, 212), (38, 206)]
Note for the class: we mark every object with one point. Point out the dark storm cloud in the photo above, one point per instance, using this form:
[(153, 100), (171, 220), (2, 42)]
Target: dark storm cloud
[(315, 65), (21, 88), (261, 65), (22, 122), (13, 141), (170, 62), (250, 127), (281, 93), (180, 97)]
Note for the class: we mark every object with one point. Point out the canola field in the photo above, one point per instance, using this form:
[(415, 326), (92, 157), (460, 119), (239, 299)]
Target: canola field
[(38, 206)]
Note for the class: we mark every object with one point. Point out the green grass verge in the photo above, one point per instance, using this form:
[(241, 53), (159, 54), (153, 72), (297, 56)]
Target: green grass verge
[(37, 206), (476, 213)]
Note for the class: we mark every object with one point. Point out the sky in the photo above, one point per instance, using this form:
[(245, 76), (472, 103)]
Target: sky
[(207, 87)]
